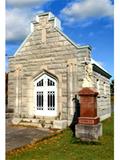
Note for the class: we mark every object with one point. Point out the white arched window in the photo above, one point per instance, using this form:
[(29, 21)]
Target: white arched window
[(46, 96)]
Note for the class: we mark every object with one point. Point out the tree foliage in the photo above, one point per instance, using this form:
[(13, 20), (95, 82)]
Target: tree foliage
[(112, 88)]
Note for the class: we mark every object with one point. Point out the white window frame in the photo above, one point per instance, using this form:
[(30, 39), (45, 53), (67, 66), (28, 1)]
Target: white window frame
[(45, 89)]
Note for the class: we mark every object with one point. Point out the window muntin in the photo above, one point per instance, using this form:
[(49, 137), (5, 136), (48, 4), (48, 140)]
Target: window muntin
[(50, 82), (40, 83), (51, 100), (39, 100)]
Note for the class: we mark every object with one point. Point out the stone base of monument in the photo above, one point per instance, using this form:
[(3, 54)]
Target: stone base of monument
[(87, 132)]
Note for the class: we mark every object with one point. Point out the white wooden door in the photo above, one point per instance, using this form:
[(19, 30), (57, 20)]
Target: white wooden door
[(46, 96)]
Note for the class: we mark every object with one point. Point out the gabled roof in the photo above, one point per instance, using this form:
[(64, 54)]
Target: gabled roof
[(57, 26)]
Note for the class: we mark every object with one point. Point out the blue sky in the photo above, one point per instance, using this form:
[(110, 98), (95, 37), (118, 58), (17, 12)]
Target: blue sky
[(84, 21)]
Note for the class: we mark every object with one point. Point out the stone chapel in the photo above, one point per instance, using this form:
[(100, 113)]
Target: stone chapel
[(46, 73)]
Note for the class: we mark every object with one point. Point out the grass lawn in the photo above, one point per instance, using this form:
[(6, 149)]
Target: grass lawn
[(65, 147)]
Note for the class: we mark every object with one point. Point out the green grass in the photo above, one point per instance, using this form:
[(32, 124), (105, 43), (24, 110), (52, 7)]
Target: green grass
[(65, 147)]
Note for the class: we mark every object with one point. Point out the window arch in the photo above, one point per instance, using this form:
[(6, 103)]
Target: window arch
[(46, 96)]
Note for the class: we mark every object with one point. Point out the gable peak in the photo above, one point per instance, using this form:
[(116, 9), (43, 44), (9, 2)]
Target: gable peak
[(44, 18)]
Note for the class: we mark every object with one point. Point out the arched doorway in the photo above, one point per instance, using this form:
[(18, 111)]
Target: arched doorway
[(46, 96)]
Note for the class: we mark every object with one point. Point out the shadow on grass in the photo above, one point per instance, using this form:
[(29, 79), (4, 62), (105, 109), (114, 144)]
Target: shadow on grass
[(75, 140)]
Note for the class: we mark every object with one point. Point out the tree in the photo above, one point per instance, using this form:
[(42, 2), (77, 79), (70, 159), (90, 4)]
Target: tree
[(112, 88), (112, 94)]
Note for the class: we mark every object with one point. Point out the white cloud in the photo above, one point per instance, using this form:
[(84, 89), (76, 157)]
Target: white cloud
[(26, 3), (82, 10), (19, 14), (86, 24), (17, 24)]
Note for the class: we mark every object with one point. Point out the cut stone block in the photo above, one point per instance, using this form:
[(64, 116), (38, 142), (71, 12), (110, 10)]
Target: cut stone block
[(16, 120), (60, 124), (88, 132)]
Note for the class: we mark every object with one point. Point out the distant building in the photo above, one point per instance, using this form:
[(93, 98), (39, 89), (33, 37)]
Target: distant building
[(48, 70)]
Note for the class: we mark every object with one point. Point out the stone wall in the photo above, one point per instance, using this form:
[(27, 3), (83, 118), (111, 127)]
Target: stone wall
[(83, 55), (103, 100)]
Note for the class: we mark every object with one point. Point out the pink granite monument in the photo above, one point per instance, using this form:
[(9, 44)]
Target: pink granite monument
[(89, 127)]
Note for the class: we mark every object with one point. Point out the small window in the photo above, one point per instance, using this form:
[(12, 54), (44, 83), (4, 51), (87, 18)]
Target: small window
[(50, 83), (40, 83)]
